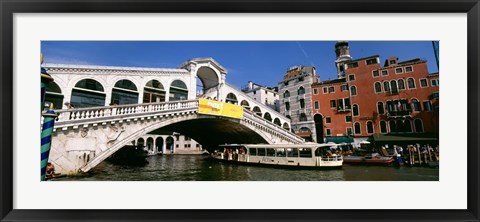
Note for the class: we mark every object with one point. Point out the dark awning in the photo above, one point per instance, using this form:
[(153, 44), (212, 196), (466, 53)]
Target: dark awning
[(404, 137), (339, 139)]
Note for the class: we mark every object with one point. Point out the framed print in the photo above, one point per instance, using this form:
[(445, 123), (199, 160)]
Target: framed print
[(269, 89)]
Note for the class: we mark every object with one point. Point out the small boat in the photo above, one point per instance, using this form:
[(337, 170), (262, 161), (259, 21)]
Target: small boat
[(309, 155), (376, 158)]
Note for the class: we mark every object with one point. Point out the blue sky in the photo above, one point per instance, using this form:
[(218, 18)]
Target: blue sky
[(263, 62)]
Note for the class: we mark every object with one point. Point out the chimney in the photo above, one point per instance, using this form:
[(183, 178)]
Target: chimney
[(250, 85)]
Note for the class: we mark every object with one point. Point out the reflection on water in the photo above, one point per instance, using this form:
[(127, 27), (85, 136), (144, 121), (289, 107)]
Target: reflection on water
[(202, 168)]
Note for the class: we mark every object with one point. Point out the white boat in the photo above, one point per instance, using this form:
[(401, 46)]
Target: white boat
[(311, 155)]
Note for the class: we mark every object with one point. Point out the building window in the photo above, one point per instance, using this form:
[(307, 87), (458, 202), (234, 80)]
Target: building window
[(352, 65), (286, 83), (286, 94), (378, 87), (343, 88), (301, 91), (375, 73), (287, 106), (408, 69), (348, 119), (386, 86), (329, 132), (411, 83), (303, 117), (357, 128), (331, 89), (349, 131), (355, 110), (333, 104), (416, 105), (383, 126), (392, 61), (325, 90), (401, 84), (393, 87), (328, 120), (351, 77), (315, 91), (343, 104), (418, 125), (436, 95), (353, 90), (371, 61), (369, 127), (398, 70), (427, 106), (254, 92), (316, 105), (434, 82), (380, 108), (302, 103), (300, 79), (423, 83), (384, 72)]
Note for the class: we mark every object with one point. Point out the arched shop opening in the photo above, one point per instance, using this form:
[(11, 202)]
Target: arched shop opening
[(231, 98), (124, 92), (178, 91), (87, 93), (159, 144), (153, 92), (170, 144), (245, 104), (53, 94)]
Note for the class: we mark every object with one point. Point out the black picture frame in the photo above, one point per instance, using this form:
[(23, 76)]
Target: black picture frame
[(10, 7)]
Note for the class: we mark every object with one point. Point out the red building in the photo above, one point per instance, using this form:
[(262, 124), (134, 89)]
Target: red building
[(385, 103)]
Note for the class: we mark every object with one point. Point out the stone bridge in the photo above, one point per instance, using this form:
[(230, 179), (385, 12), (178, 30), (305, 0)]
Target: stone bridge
[(84, 137)]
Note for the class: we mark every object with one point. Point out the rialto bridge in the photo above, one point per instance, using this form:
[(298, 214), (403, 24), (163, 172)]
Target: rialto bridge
[(106, 108)]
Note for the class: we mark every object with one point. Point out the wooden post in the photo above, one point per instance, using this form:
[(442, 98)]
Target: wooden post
[(430, 154), (410, 156), (419, 156)]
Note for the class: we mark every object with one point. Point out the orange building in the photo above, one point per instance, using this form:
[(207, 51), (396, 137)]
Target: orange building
[(397, 102)]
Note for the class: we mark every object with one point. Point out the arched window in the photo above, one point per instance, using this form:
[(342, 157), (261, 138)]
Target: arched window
[(416, 105), (267, 116), (302, 103), (301, 90), (370, 127), (153, 92), (178, 91), (380, 108), (287, 106), (231, 98), (357, 129), (286, 94), (401, 84), (378, 87), (355, 110), (87, 93), (257, 110), (383, 126), (393, 86), (407, 126), (411, 83), (285, 126), (245, 104), (277, 122), (353, 90), (124, 92), (386, 86), (53, 94), (418, 125)]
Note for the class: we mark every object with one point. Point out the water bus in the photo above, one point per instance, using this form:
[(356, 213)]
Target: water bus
[(310, 155)]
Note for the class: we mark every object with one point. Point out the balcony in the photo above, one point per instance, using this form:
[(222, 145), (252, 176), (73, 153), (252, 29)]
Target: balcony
[(343, 110), (399, 114)]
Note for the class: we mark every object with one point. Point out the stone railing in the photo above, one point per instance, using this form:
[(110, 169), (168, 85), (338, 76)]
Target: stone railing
[(252, 116), (112, 113)]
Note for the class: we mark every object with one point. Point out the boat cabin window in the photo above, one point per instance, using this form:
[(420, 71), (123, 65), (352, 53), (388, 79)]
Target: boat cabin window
[(281, 152), (270, 152), (261, 152), (253, 151), (292, 152), (305, 152)]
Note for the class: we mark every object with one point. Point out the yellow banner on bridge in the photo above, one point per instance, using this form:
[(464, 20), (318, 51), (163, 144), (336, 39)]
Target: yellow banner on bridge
[(212, 107)]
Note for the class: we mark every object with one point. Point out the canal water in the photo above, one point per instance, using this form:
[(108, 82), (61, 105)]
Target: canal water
[(202, 168)]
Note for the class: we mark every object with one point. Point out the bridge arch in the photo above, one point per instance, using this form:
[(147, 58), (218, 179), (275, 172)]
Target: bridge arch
[(178, 90), (88, 92)]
